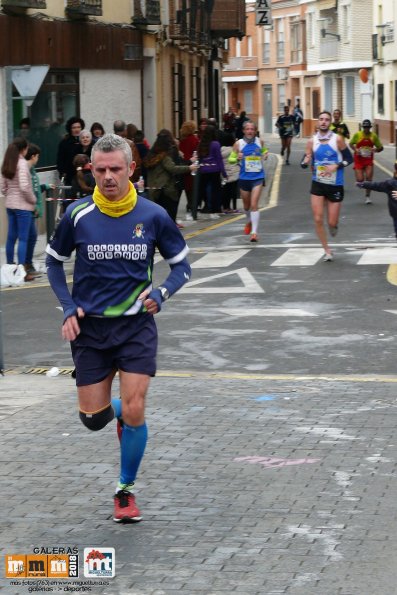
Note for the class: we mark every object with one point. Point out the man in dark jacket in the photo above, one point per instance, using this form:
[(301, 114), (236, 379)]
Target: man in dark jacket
[(68, 149)]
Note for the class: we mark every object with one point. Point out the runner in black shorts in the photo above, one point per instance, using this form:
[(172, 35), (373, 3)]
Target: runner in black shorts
[(328, 154), (330, 192), (286, 126), (108, 317)]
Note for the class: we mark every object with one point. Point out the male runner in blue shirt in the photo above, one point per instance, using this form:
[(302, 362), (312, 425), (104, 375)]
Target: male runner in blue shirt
[(108, 317), (328, 155)]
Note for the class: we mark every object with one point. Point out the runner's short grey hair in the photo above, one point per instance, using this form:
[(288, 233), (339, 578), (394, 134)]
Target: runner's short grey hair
[(112, 142)]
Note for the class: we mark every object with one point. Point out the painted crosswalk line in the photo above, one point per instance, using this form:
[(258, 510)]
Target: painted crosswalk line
[(299, 257), (218, 259), (269, 312), (247, 284), (379, 256)]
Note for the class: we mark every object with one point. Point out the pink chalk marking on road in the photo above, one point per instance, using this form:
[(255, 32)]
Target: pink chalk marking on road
[(271, 462)]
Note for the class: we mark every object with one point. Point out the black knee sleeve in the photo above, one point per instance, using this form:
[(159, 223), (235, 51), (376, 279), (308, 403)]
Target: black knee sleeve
[(97, 420)]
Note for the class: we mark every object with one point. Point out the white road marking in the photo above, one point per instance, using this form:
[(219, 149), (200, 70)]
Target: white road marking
[(249, 285), (266, 312), (299, 257), (219, 259), (379, 256)]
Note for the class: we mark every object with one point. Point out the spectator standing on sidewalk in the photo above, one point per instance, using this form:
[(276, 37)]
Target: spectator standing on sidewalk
[(67, 149), (162, 174), (109, 316), (20, 200), (230, 190), (188, 143), (32, 157), (211, 169)]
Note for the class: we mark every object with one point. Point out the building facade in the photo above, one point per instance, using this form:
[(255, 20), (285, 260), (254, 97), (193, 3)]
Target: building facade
[(384, 47), (317, 51), (153, 63)]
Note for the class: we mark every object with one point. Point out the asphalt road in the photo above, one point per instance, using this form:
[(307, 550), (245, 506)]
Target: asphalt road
[(271, 308)]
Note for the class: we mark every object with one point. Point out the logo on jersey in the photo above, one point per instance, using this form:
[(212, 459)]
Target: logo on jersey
[(139, 231)]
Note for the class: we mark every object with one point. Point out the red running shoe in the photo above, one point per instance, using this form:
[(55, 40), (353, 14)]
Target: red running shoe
[(125, 508), (254, 237), (247, 228)]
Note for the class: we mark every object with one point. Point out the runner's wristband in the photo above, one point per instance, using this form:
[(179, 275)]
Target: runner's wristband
[(303, 164)]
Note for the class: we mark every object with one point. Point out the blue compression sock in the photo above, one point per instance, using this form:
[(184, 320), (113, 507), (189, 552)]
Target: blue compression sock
[(116, 404), (132, 448)]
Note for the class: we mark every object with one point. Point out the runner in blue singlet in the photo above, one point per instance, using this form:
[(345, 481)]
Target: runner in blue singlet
[(328, 154), (250, 154)]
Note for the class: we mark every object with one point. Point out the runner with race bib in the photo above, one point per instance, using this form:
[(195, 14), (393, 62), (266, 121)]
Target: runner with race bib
[(328, 154)]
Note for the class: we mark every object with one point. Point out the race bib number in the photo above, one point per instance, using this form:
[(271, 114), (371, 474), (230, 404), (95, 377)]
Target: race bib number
[(365, 152), (253, 164), (325, 177)]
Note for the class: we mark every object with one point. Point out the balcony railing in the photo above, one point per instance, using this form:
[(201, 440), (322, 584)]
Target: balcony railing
[(329, 49), (242, 63), (84, 7), (149, 16), (296, 56)]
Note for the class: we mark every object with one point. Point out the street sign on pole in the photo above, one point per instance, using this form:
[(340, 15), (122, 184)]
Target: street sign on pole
[(263, 12)]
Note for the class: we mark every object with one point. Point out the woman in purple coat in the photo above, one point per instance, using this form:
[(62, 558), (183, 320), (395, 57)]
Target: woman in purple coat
[(211, 168)]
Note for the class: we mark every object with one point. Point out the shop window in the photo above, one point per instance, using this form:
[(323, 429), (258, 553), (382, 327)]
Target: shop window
[(44, 120)]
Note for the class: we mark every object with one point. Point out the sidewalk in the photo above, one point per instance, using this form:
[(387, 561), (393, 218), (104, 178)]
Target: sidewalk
[(250, 485)]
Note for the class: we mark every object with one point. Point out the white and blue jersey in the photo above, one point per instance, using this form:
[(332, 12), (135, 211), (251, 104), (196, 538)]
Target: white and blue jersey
[(252, 162), (114, 256), (327, 154)]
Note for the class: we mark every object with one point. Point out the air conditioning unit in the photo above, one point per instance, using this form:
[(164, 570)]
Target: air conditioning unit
[(282, 74)]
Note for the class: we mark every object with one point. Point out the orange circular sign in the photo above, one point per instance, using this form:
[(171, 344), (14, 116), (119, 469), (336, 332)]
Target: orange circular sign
[(363, 74)]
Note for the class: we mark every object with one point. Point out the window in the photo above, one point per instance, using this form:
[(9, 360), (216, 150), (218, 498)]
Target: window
[(238, 48), (266, 46), (347, 23), (280, 40), (349, 94), (296, 41), (249, 46), (56, 102), (381, 99), (281, 97), (248, 101), (328, 93), (311, 34)]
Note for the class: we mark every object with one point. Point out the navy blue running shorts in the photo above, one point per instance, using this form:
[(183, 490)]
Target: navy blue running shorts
[(127, 343), (248, 185), (331, 192)]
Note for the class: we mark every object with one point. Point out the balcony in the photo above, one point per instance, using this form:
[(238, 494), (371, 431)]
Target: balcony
[(82, 8), (19, 6), (178, 31), (228, 18), (148, 15), (242, 63), (329, 49)]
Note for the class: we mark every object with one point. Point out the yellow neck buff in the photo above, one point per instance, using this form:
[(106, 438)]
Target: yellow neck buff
[(116, 208)]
